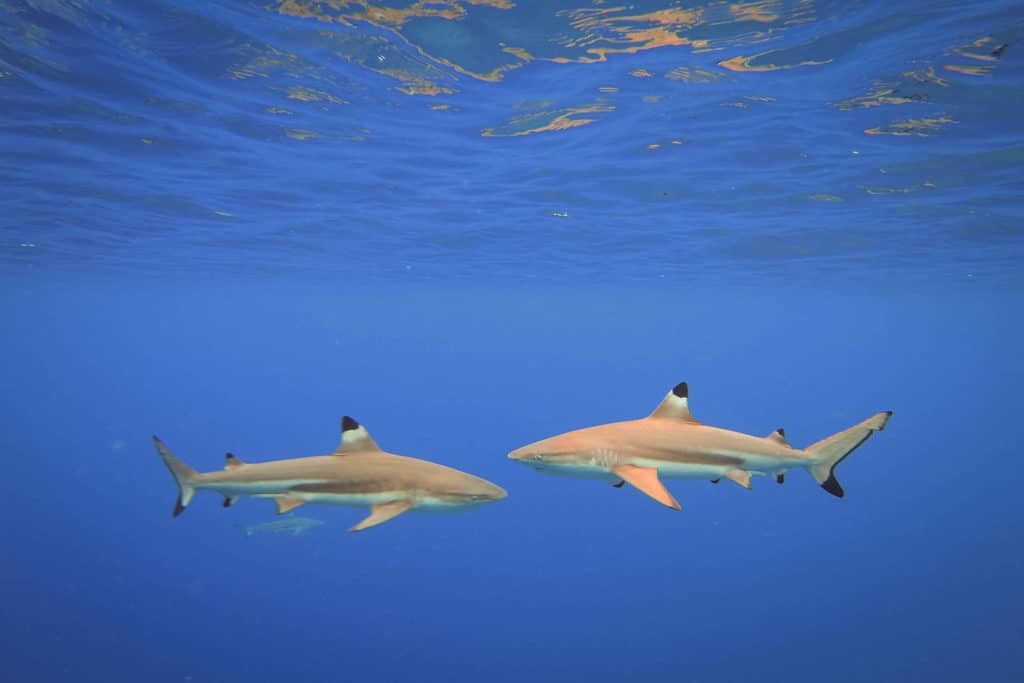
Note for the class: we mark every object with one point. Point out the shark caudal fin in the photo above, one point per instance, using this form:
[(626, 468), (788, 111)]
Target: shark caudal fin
[(183, 475), (828, 453)]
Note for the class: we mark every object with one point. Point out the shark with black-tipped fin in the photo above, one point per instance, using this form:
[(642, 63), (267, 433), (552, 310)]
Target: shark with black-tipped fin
[(670, 443), (357, 473)]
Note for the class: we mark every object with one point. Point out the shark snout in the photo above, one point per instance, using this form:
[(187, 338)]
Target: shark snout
[(528, 455), (484, 491)]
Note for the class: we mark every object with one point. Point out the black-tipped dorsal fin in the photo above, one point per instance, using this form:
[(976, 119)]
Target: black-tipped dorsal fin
[(232, 461), (676, 404), (778, 436), (355, 438)]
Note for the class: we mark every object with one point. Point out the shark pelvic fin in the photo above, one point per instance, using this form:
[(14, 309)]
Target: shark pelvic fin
[(741, 477), (646, 480), (618, 484), (355, 438), (382, 513), (232, 461), (676, 404), (286, 504), (715, 481), (778, 436)]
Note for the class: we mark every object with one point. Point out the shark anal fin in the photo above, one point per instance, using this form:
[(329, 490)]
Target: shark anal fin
[(355, 438), (286, 504), (230, 500), (741, 477), (780, 478), (619, 484), (646, 480), (232, 461), (676, 405), (382, 513)]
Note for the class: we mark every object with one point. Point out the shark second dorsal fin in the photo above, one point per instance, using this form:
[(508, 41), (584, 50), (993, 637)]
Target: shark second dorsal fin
[(676, 404), (778, 436), (355, 438), (232, 461)]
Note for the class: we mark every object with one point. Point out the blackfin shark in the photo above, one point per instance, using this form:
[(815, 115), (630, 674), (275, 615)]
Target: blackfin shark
[(670, 443), (357, 473)]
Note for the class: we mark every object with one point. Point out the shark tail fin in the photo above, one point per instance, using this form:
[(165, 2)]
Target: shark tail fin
[(828, 453), (183, 475)]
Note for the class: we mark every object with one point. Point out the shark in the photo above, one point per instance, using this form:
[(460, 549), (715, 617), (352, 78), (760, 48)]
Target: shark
[(671, 443), (357, 473), (288, 524)]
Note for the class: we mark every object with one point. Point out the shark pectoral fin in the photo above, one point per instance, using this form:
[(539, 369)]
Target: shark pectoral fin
[(741, 477), (646, 480), (382, 513), (230, 500), (286, 504)]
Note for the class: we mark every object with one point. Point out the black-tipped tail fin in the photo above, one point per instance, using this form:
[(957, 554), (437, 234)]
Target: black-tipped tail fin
[(184, 476), (828, 453)]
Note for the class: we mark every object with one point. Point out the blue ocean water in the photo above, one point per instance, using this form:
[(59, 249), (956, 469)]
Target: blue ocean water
[(475, 224)]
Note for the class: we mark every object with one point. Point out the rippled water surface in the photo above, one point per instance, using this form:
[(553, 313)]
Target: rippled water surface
[(524, 139)]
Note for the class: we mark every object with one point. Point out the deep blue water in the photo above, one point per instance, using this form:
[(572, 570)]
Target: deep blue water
[(474, 225)]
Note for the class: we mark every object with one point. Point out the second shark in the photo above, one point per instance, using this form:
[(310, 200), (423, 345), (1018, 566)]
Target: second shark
[(358, 472)]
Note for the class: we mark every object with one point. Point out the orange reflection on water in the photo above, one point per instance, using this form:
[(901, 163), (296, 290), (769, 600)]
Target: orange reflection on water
[(922, 127), (742, 63), (627, 33), (546, 121), (761, 11)]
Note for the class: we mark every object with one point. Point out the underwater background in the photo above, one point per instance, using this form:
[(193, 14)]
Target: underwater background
[(474, 224)]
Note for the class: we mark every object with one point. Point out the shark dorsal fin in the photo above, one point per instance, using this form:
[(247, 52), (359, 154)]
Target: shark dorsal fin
[(231, 461), (355, 438), (676, 404), (778, 436)]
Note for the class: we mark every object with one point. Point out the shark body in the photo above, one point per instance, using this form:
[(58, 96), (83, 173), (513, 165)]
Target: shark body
[(671, 443), (293, 526), (358, 473)]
